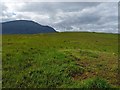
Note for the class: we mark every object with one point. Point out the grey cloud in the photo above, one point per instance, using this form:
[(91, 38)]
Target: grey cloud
[(4, 8), (98, 20), (54, 6)]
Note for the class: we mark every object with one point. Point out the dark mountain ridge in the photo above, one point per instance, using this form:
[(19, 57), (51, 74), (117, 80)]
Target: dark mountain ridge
[(25, 27)]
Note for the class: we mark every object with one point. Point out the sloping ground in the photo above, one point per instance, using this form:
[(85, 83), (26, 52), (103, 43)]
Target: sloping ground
[(25, 27), (72, 60)]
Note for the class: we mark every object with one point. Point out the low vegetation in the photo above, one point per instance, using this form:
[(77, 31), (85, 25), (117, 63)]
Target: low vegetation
[(60, 60)]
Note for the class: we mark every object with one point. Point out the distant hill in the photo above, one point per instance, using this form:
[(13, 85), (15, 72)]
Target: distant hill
[(25, 27)]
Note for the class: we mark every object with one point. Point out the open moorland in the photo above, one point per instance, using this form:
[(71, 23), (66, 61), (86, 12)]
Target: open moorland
[(60, 60)]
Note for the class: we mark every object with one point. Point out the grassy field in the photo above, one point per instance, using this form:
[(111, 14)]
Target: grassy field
[(61, 60)]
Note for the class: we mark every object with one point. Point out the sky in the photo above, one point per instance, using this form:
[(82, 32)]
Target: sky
[(65, 16)]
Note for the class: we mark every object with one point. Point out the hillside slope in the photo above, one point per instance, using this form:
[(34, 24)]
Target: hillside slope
[(25, 27)]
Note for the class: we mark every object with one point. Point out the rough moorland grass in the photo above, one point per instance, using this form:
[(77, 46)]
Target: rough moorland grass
[(60, 60), (95, 83)]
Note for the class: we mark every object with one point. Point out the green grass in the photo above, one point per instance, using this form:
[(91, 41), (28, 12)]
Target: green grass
[(60, 60)]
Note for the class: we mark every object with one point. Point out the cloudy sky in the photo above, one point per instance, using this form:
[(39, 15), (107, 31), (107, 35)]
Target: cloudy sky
[(65, 16)]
